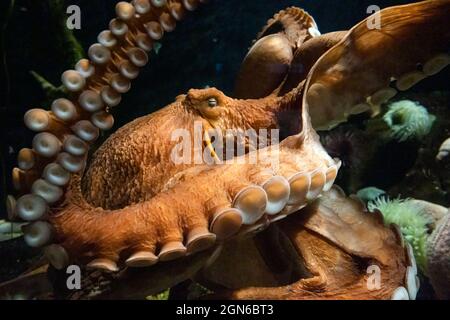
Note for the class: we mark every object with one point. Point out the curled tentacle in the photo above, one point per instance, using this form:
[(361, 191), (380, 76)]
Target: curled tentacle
[(295, 23), (267, 63)]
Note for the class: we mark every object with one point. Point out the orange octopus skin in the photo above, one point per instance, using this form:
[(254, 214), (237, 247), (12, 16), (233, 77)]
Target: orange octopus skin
[(369, 66), (138, 208), (135, 163), (348, 72), (330, 246), (157, 220), (171, 216)]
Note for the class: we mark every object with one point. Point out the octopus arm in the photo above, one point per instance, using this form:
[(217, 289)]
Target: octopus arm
[(268, 61), (338, 246), (306, 56), (198, 211), (64, 135), (322, 252), (371, 64)]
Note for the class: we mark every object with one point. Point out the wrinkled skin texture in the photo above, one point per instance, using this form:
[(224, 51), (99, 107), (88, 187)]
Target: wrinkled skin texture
[(438, 253), (134, 207), (139, 154), (169, 209)]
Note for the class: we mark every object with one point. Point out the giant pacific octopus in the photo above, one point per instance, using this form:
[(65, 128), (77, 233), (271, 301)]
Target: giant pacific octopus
[(132, 206)]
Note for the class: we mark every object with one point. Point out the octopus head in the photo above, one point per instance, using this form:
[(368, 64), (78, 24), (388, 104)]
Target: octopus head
[(230, 121), (212, 104)]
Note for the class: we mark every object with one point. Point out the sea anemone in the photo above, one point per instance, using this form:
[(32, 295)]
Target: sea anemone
[(411, 219), (408, 120)]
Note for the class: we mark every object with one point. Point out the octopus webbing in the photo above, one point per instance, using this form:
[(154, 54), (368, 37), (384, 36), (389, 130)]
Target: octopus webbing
[(133, 206)]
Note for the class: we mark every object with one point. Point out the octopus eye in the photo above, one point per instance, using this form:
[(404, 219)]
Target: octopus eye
[(212, 102)]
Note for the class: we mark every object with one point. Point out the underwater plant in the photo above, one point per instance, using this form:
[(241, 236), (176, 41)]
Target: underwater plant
[(68, 47), (408, 120), (160, 296), (412, 221)]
